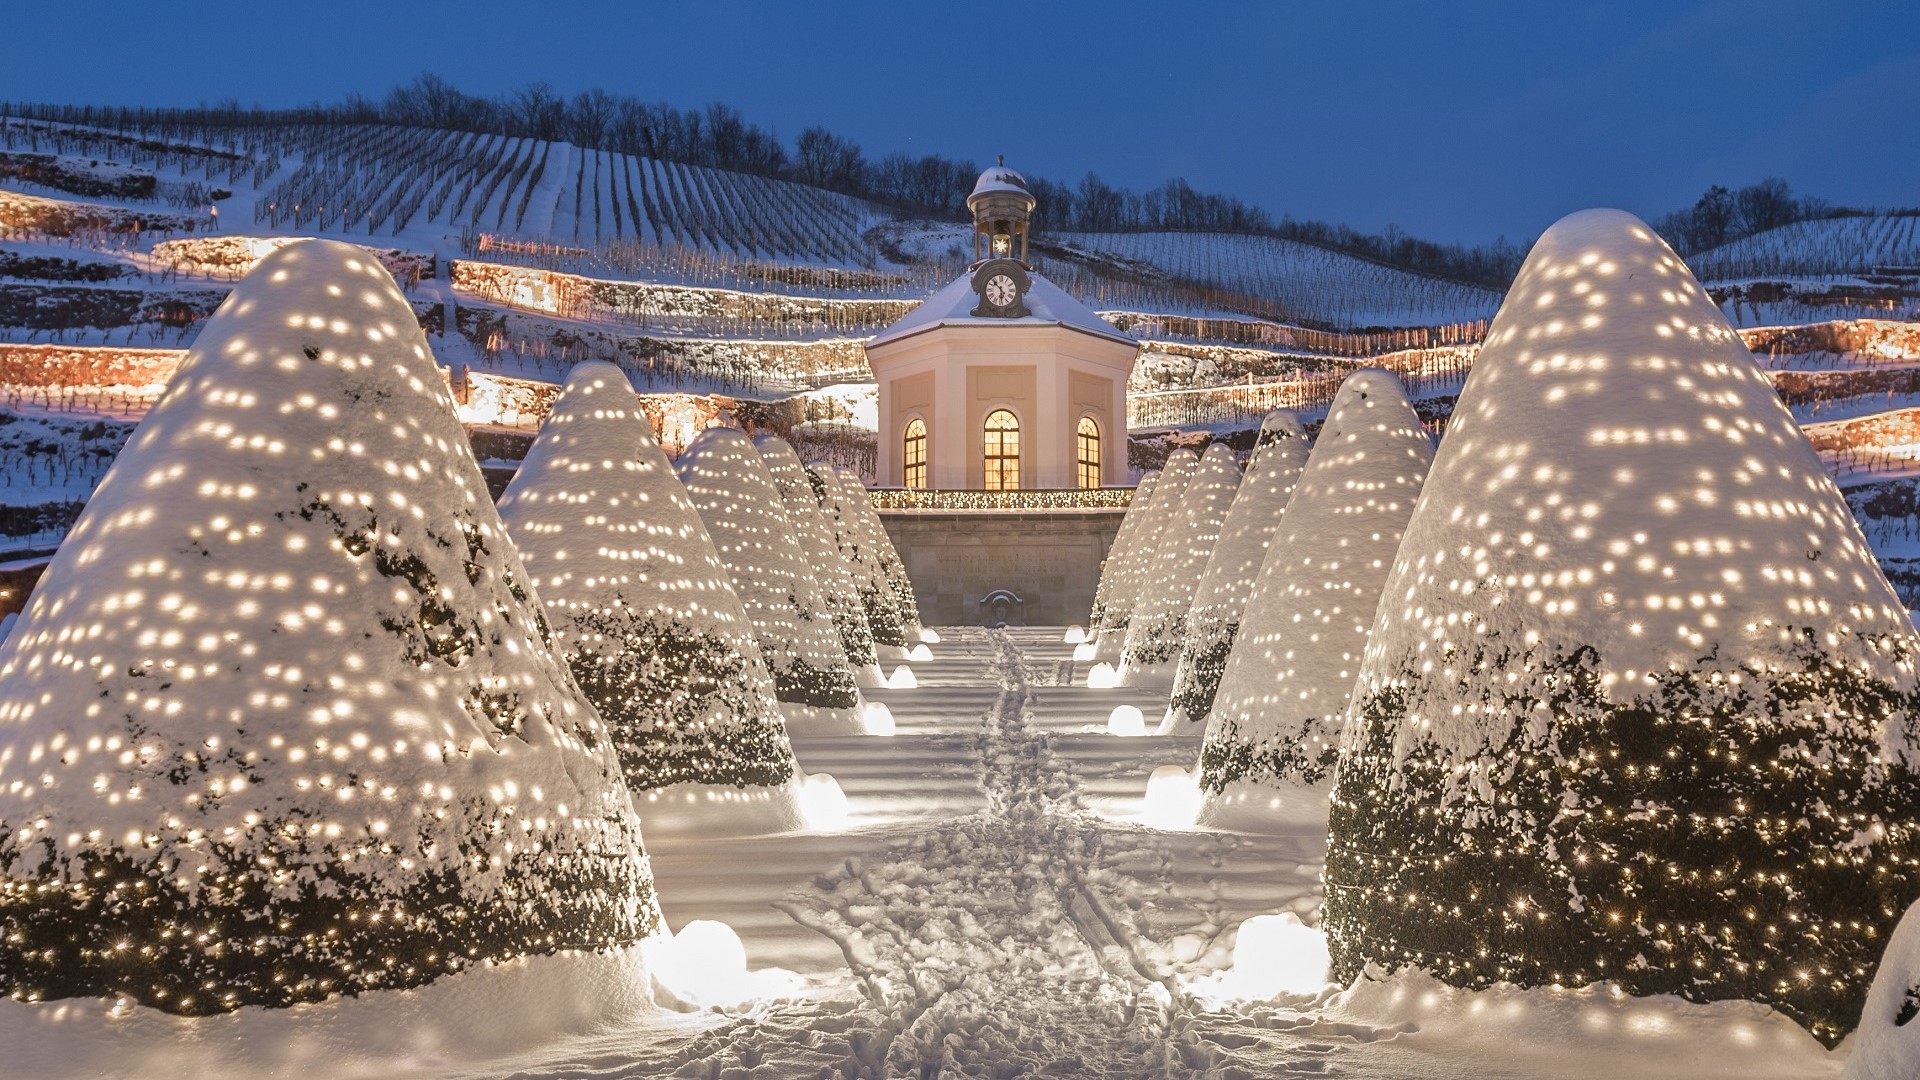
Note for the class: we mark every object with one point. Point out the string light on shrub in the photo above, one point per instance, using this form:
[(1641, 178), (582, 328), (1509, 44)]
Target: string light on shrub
[(1283, 694), (1134, 563), (1638, 702), (728, 483), (642, 609), (283, 719), (1159, 625), (1220, 600)]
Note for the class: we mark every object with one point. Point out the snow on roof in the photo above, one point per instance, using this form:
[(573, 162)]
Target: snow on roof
[(635, 590), (998, 178), (1624, 476), (953, 305), (1284, 693), (1174, 473), (1220, 600), (1159, 623), (729, 484), (292, 584)]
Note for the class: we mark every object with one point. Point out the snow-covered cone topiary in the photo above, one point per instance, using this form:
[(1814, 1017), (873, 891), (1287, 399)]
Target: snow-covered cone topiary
[(821, 549), (893, 569), (644, 614), (1279, 453), (1159, 625), (1122, 543), (885, 621), (745, 516), (1131, 574), (1638, 703), (1887, 1043), (282, 720), (1276, 721)]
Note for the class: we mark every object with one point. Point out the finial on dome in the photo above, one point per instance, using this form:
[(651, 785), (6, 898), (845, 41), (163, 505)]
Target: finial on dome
[(1001, 158)]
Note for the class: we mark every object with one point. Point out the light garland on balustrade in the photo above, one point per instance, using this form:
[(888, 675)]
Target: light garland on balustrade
[(1067, 499)]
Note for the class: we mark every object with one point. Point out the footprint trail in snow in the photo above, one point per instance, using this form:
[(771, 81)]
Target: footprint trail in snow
[(1012, 941)]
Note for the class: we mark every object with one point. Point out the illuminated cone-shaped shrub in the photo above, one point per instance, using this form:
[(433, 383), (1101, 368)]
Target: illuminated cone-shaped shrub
[(885, 621), (1159, 625), (642, 610), (1131, 577), (1122, 542), (821, 550), (893, 569), (1638, 702), (282, 720), (1279, 454), (745, 516), (1276, 721)]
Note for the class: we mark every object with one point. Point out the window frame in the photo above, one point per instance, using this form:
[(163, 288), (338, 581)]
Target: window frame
[(999, 467)]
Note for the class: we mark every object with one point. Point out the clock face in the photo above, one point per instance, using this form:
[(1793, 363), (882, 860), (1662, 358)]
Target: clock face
[(1000, 290)]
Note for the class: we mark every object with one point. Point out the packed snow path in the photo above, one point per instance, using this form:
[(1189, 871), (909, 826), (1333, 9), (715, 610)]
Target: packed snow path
[(992, 913)]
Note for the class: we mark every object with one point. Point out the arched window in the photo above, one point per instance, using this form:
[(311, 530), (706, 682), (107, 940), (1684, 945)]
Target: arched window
[(913, 455), (1086, 446), (1002, 451)]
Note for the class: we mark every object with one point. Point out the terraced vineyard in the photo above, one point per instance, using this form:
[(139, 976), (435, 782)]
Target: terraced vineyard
[(1847, 246), (1311, 284)]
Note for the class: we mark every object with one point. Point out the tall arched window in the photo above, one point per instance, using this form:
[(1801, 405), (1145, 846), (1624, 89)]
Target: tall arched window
[(1086, 446), (1002, 451), (913, 455)]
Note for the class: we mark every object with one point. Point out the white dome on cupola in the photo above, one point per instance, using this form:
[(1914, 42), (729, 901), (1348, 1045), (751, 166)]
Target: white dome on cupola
[(998, 179)]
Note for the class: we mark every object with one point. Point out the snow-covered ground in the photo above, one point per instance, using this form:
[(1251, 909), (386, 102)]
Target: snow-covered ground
[(995, 909)]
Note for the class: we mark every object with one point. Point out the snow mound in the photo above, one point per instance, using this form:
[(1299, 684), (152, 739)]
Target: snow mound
[(1117, 554), (1130, 585), (736, 497), (1887, 1044), (1277, 716), (1159, 625), (1636, 664), (641, 607), (286, 684), (822, 552), (459, 1025), (1220, 600)]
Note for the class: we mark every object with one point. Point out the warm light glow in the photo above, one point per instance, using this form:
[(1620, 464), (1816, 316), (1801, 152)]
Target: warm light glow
[(704, 966), (1126, 720), (824, 803), (878, 718), (1075, 635), (1173, 798), (902, 678), (1272, 955), (1102, 677)]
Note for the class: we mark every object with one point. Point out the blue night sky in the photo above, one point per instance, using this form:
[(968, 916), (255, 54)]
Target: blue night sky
[(1452, 121)]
